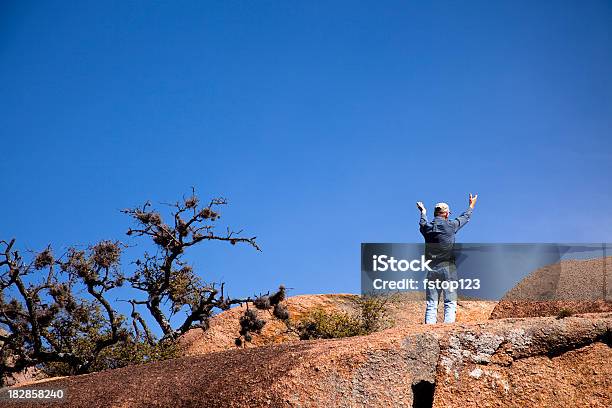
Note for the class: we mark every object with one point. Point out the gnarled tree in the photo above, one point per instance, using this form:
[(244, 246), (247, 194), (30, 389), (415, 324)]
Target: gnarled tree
[(56, 313), (165, 278), (43, 322)]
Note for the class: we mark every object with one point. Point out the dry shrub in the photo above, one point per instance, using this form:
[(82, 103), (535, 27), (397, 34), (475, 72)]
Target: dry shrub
[(563, 313), (370, 315)]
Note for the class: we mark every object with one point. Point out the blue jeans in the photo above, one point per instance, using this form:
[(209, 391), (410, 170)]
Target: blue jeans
[(441, 273)]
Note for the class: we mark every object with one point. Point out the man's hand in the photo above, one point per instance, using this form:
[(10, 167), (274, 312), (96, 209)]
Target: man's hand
[(421, 207), (473, 199)]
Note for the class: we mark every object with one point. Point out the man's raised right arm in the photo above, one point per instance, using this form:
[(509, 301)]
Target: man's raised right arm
[(423, 210)]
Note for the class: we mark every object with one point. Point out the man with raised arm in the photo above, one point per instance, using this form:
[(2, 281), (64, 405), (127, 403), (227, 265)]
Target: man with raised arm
[(439, 237)]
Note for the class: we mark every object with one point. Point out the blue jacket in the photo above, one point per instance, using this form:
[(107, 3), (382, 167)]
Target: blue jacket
[(441, 230), (439, 236)]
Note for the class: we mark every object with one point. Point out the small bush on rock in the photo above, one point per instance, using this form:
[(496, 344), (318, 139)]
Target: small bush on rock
[(371, 315)]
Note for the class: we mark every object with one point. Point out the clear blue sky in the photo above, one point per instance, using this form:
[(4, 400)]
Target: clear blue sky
[(321, 122)]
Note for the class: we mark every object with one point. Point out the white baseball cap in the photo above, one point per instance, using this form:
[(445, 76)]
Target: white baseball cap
[(442, 207)]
